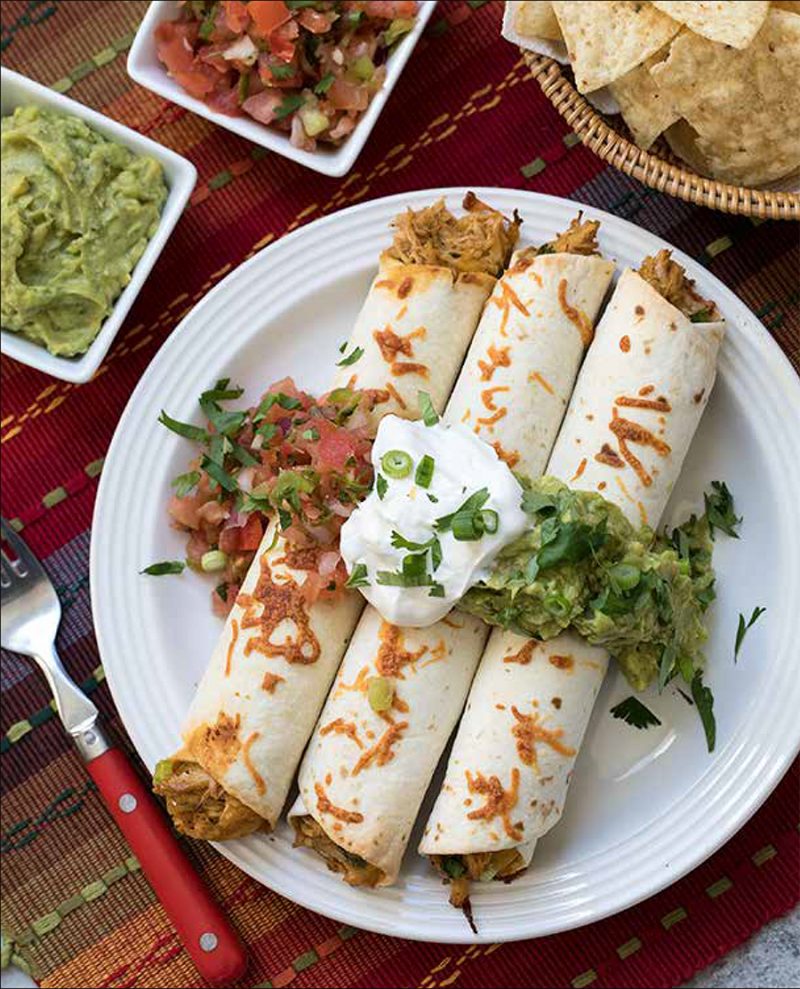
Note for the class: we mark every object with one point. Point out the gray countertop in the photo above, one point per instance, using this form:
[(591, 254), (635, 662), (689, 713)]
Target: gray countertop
[(769, 959)]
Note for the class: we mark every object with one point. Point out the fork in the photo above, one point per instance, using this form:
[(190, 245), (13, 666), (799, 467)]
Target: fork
[(31, 613)]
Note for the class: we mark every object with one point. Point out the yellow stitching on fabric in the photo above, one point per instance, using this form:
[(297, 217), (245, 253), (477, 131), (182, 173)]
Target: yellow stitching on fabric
[(629, 948), (763, 855), (719, 887), (673, 917), (584, 979)]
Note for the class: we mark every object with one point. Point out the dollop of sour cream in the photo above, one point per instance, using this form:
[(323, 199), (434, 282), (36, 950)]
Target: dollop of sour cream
[(442, 507)]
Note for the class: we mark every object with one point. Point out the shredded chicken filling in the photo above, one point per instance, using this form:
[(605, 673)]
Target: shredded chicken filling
[(461, 870), (669, 279), (355, 870), (199, 806), (479, 241)]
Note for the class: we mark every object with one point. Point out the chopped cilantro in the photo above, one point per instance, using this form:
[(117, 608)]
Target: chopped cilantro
[(741, 631), (634, 713), (165, 567), (720, 510)]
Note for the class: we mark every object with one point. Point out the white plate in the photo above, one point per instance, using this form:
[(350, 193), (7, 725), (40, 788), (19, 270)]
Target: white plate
[(180, 175), (145, 68), (645, 807)]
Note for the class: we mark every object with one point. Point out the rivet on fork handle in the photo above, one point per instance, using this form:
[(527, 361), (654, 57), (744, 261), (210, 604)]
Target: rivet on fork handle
[(91, 743)]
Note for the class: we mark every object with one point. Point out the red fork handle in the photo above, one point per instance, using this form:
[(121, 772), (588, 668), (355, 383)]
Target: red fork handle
[(213, 944)]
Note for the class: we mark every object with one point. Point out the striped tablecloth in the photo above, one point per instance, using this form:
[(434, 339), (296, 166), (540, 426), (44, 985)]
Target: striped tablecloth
[(75, 908)]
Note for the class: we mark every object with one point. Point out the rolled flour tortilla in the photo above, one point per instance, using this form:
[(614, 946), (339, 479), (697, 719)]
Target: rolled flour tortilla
[(635, 408), (519, 374), (262, 691)]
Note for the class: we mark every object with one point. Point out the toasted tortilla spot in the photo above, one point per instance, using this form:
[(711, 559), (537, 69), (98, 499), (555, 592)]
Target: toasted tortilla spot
[(487, 396), (660, 404), (525, 654), (510, 457), (258, 779), (577, 317), (382, 751), (528, 731), (579, 471), (627, 432), (489, 421), (562, 662), (217, 746), (538, 378), (341, 727), (499, 801), (496, 357), (267, 608), (270, 682), (396, 395), (231, 646), (324, 806), (392, 656), (609, 456), (625, 343)]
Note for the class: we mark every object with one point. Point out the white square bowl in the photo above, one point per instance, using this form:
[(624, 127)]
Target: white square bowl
[(180, 176), (145, 68)]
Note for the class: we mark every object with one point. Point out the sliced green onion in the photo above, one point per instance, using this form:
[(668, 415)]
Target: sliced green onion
[(490, 520), (467, 526), (396, 464), (381, 486), (426, 410), (424, 472), (625, 575), (363, 68), (557, 605), (167, 566), (163, 770), (352, 357), (310, 434), (380, 694), (213, 560)]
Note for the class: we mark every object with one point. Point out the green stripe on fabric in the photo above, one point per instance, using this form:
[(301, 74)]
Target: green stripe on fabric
[(91, 892), (103, 57), (93, 469), (21, 728), (345, 933), (221, 179), (570, 140), (16, 524), (439, 28), (533, 167), (673, 918), (719, 887), (52, 498), (585, 979), (629, 948), (718, 246), (306, 960), (764, 855)]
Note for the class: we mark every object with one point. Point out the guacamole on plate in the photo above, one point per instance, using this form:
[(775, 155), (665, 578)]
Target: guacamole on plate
[(77, 213), (583, 565)]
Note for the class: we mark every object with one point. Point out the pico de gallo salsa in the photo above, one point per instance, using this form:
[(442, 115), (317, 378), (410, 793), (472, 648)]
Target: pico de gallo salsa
[(305, 460), (306, 67)]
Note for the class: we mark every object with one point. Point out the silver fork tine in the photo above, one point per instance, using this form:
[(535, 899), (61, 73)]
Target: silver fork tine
[(20, 547), (7, 574)]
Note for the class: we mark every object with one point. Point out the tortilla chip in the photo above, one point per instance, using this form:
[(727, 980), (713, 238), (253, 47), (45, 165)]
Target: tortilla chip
[(741, 105), (643, 109), (608, 38), (536, 19), (730, 22)]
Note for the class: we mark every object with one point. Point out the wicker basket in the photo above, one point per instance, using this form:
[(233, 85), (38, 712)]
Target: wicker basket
[(658, 168)]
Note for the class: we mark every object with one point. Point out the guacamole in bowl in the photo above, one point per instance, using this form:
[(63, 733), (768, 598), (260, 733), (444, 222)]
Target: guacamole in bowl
[(78, 211)]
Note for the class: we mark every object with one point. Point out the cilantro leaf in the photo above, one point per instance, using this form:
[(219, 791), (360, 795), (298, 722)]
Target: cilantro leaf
[(381, 486), (358, 578), (324, 84), (165, 567), (400, 542), (473, 504), (720, 510), (741, 631), (704, 699), (290, 103), (634, 713), (570, 542), (184, 429)]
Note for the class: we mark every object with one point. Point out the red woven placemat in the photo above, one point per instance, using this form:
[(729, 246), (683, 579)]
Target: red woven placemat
[(75, 907)]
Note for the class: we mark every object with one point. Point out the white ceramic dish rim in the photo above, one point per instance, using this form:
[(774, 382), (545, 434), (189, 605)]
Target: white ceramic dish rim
[(144, 68), (180, 175), (764, 773)]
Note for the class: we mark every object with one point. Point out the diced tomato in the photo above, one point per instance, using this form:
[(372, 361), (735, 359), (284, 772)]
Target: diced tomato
[(282, 39), (262, 107), (175, 45), (294, 81), (196, 546), (199, 82), (390, 8), (222, 606), (212, 55), (341, 128), (226, 100), (346, 95), (236, 15), (267, 15), (314, 21), (334, 449), (251, 533)]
